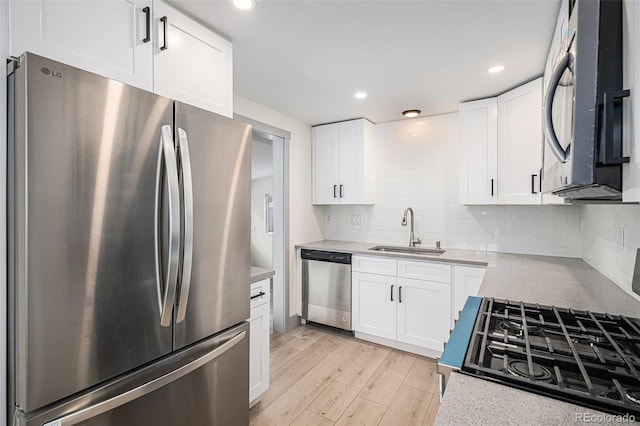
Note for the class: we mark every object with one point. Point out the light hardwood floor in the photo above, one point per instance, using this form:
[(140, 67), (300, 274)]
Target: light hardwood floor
[(324, 377)]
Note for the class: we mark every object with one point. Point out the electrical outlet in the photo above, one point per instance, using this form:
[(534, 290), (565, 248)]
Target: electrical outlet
[(356, 220), (620, 236)]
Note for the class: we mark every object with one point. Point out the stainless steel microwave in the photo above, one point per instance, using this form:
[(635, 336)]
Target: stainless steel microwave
[(582, 109)]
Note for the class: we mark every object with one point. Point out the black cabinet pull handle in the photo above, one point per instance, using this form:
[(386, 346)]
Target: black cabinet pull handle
[(540, 180), (400, 294), (533, 184), (165, 35), (341, 192), (392, 286), (492, 187), (334, 191), (147, 13), (612, 121), (262, 293)]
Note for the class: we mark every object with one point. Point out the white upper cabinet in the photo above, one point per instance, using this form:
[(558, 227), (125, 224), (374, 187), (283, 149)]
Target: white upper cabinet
[(478, 121), (557, 40), (556, 45), (343, 162), (326, 159), (520, 144), (351, 162), (501, 147), (126, 40), (192, 64), (104, 37)]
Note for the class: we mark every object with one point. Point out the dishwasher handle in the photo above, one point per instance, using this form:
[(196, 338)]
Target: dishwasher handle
[(326, 256)]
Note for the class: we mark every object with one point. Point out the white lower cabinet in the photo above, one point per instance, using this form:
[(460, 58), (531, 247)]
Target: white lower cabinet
[(467, 280), (259, 335), (373, 304), (409, 308), (424, 312)]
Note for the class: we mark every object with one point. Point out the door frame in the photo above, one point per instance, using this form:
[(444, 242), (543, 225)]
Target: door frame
[(282, 321)]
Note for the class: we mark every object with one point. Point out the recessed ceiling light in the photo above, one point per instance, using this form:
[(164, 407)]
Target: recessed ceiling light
[(244, 4), (361, 95), (495, 69), (411, 113)]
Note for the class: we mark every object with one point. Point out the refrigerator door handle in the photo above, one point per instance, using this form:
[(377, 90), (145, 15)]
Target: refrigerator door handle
[(140, 391), (167, 156), (187, 200)]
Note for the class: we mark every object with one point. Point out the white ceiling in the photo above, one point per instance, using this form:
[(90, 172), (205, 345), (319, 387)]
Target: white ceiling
[(307, 58)]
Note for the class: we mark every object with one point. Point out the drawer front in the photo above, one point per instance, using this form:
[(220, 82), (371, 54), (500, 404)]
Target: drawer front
[(260, 292), (430, 271), (374, 265)]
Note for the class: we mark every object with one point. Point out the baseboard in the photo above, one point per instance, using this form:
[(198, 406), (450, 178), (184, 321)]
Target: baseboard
[(292, 322), (429, 353)]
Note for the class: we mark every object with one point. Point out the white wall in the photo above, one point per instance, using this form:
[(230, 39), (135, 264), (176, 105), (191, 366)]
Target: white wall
[(417, 166), (261, 242), (305, 220), (611, 237)]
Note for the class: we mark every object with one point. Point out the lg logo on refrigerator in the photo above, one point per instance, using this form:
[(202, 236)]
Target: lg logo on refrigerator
[(47, 71)]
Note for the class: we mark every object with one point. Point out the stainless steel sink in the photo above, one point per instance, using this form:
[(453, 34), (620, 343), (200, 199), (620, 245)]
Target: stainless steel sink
[(409, 250)]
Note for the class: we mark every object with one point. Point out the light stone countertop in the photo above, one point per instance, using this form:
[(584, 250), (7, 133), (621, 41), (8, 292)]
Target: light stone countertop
[(559, 281), (472, 401), (259, 274)]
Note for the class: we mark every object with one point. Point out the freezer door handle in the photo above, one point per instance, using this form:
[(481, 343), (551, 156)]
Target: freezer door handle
[(140, 391), (187, 205), (167, 293)]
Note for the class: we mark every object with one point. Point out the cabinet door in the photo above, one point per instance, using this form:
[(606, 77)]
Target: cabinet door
[(478, 137), (466, 282), (350, 170), (374, 304), (104, 37), (258, 351), (192, 64), (520, 144), (424, 313), (325, 143)]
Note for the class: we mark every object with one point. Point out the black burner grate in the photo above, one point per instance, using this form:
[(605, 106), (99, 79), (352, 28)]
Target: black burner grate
[(588, 358)]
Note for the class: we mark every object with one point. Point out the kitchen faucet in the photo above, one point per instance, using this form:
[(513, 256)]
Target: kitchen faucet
[(412, 238)]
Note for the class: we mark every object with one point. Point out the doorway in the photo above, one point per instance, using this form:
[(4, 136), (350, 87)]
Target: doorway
[(269, 207)]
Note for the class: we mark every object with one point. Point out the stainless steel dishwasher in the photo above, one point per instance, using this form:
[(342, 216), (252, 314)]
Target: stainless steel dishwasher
[(326, 288)]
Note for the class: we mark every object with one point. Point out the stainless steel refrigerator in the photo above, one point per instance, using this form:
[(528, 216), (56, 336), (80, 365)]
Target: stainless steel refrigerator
[(129, 221)]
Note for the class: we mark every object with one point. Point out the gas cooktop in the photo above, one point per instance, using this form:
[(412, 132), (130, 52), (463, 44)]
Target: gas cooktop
[(591, 359)]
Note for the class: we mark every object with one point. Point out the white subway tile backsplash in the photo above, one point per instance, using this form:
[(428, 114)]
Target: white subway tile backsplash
[(417, 166), (601, 247)]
